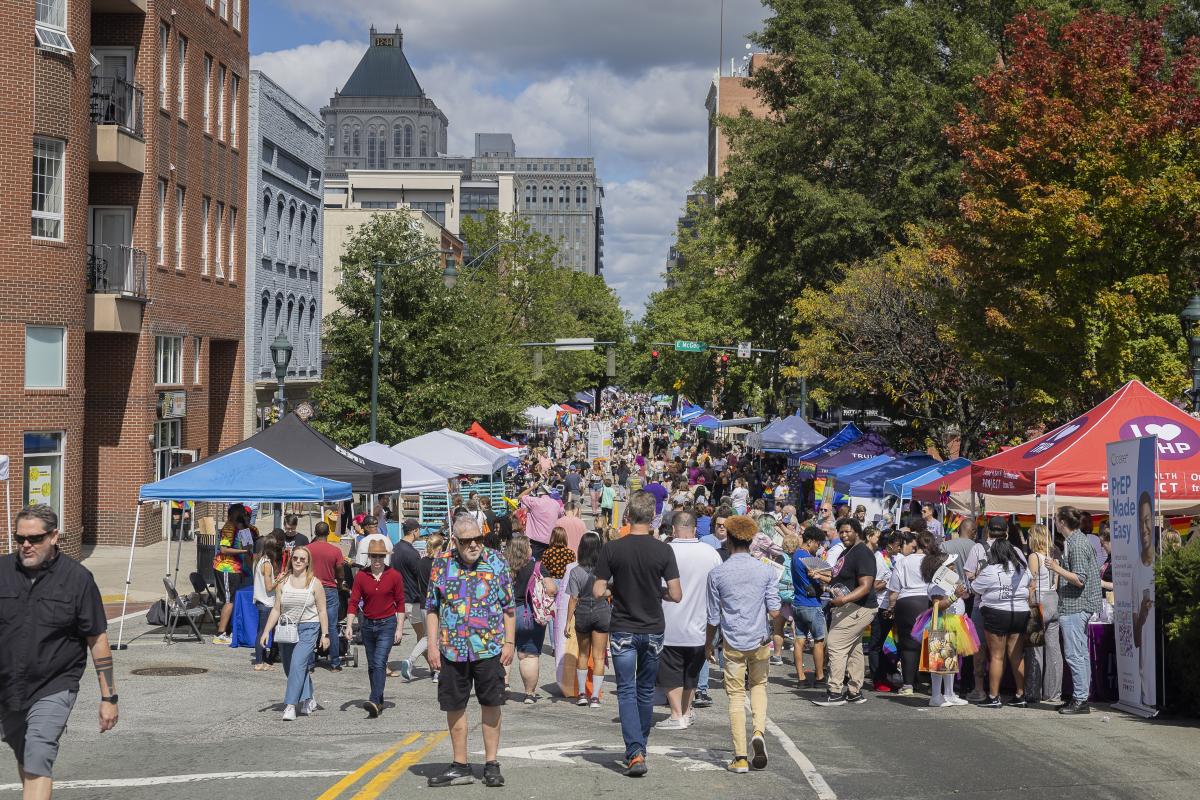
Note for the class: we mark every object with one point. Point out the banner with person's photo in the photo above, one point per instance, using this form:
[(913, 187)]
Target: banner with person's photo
[(1132, 510)]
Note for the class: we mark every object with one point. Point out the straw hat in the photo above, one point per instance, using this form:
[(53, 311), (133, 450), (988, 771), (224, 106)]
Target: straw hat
[(377, 547)]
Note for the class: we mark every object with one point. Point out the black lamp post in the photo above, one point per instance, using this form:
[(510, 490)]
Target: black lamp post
[(281, 354), (1190, 317)]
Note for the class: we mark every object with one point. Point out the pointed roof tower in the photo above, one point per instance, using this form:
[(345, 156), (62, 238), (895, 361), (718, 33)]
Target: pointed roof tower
[(383, 70)]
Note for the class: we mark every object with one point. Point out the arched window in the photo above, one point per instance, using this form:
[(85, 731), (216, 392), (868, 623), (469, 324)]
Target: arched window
[(397, 140), (424, 142), (278, 321), (312, 241), (564, 198), (372, 147), (286, 253), (276, 251), (299, 243), (345, 140), (264, 355), (531, 195), (356, 141), (300, 342), (313, 337), (266, 224), (408, 141), (286, 329), (547, 196), (583, 194)]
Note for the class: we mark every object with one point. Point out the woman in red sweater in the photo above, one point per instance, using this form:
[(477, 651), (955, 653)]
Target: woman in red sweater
[(380, 592)]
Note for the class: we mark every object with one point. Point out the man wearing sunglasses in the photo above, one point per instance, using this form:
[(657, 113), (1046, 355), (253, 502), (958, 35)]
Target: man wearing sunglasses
[(50, 615), (470, 613)]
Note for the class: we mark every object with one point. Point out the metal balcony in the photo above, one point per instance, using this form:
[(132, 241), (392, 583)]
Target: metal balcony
[(118, 143), (117, 291)]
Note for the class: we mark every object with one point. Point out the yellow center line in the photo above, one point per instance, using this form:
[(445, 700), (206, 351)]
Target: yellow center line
[(387, 776), (336, 790)]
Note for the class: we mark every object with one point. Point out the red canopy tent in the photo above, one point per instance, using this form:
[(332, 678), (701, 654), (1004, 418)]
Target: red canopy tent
[(957, 485), (568, 409), (1072, 457), (479, 432)]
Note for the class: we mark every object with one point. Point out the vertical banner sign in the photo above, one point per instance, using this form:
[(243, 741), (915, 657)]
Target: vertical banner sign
[(1132, 510)]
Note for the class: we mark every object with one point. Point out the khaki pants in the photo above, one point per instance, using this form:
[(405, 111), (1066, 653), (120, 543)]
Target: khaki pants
[(844, 647), (742, 669)]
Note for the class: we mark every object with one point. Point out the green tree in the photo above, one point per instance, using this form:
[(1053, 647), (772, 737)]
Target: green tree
[(445, 356), (1078, 226)]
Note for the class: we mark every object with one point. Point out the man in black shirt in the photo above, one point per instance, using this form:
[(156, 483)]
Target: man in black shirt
[(50, 615), (407, 561), (637, 566), (292, 538), (853, 606)]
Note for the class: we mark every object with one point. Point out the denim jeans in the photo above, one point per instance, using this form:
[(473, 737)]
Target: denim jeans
[(377, 636), (635, 662), (296, 658), (331, 608), (260, 652), (1075, 652)]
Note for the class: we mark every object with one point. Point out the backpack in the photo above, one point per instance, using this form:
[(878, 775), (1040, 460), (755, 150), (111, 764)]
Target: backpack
[(541, 604)]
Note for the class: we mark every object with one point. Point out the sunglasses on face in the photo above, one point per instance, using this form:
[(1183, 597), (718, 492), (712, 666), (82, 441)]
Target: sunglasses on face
[(376, 555), (36, 538), (299, 560), (473, 541)]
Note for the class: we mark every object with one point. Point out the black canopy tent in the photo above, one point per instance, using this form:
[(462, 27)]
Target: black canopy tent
[(294, 444)]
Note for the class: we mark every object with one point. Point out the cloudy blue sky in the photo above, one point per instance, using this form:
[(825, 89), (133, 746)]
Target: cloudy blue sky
[(535, 68)]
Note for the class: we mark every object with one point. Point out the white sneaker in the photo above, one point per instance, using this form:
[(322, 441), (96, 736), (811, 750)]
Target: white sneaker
[(672, 724), (955, 700), (691, 717), (289, 713), (307, 707)]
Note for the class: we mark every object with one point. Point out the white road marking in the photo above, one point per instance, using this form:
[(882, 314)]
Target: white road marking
[(163, 780), (814, 778), (691, 759)]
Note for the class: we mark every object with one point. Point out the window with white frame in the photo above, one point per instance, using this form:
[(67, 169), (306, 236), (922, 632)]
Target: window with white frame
[(205, 207), (50, 26), (232, 243), (237, 14), (179, 198), (221, 102), (168, 352), (181, 78), (42, 456), (164, 45), (197, 347), (220, 246), (168, 435), (45, 356), (208, 3), (208, 76), (234, 86), (224, 13), (160, 223), (48, 157)]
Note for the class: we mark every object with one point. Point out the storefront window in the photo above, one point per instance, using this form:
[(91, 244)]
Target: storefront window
[(43, 469), (167, 439)]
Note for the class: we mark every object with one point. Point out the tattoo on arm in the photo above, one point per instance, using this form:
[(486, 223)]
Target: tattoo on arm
[(104, 672)]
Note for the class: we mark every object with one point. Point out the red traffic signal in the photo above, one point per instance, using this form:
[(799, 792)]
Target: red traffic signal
[(654, 354), (724, 358)]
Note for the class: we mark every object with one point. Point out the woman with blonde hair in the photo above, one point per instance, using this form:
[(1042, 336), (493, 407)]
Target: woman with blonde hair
[(300, 605), (531, 636), (1044, 661)]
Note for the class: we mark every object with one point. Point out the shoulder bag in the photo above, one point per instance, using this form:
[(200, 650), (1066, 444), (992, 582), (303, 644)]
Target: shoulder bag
[(287, 631)]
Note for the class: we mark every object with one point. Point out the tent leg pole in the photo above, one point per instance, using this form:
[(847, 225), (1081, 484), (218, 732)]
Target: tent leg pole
[(179, 549), (137, 517)]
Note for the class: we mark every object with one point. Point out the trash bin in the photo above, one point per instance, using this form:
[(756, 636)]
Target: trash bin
[(206, 550)]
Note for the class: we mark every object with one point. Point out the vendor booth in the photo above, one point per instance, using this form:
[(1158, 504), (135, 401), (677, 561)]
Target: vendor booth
[(417, 475), (477, 431), (866, 486), (792, 434), (901, 486), (868, 446)]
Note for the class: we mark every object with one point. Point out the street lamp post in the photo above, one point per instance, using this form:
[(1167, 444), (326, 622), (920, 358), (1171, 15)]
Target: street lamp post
[(1190, 317), (281, 354)]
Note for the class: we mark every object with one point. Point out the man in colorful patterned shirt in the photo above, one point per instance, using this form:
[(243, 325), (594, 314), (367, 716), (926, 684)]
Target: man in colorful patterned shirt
[(470, 613)]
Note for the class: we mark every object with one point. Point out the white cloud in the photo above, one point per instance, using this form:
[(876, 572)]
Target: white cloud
[(644, 118)]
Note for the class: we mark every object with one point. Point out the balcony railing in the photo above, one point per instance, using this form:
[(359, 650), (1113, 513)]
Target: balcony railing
[(116, 269), (116, 101)]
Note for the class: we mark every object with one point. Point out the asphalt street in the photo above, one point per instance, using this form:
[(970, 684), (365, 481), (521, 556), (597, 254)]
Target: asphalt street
[(219, 733)]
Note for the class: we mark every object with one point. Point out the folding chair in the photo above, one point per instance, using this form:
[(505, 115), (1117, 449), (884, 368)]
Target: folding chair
[(205, 594), (176, 610)]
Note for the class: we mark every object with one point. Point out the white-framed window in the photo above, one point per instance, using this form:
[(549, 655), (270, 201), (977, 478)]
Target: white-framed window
[(179, 229), (221, 102), (197, 348), (181, 78), (160, 223), (209, 3), (164, 46), (237, 14), (208, 77), (233, 243), (218, 250), (224, 13), (48, 160), (205, 208), (45, 357), (235, 84), (168, 360), (42, 456), (168, 436), (50, 26)]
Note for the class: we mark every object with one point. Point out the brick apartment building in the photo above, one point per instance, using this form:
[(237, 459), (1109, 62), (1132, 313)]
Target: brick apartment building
[(121, 308)]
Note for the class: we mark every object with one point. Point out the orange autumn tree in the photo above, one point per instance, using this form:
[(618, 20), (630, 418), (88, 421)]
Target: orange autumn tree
[(1078, 226)]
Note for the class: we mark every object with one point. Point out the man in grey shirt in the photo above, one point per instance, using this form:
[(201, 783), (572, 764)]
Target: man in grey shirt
[(743, 594)]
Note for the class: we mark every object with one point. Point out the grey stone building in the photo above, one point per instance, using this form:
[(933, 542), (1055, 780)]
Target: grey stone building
[(286, 156), (382, 120)]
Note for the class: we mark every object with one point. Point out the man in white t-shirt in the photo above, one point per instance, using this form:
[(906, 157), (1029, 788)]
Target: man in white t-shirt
[(682, 655)]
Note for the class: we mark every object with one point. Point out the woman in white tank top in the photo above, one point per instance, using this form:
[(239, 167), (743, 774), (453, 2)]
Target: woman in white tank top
[(299, 601), (268, 574)]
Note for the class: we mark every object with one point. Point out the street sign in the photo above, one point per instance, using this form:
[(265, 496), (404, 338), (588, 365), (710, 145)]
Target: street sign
[(574, 344), (690, 347), (743, 349)]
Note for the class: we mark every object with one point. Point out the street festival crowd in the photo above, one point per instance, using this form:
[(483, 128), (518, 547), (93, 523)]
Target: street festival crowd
[(696, 559)]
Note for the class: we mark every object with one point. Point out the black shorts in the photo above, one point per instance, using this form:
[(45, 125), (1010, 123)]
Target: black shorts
[(679, 667), (457, 677), (228, 584), (1003, 622), (594, 618)]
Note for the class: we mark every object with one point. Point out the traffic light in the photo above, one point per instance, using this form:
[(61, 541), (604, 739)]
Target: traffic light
[(653, 360), (723, 363)]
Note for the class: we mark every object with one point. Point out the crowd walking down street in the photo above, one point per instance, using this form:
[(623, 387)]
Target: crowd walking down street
[(652, 586)]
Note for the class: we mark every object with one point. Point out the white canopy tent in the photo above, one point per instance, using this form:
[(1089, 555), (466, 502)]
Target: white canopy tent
[(446, 451), (540, 416), (416, 475)]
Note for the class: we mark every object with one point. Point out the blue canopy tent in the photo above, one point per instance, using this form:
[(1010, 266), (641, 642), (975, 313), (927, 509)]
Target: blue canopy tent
[(869, 482), (792, 435), (901, 485), (848, 470), (585, 397), (837, 441), (861, 449), (706, 421), (689, 411), (231, 477)]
